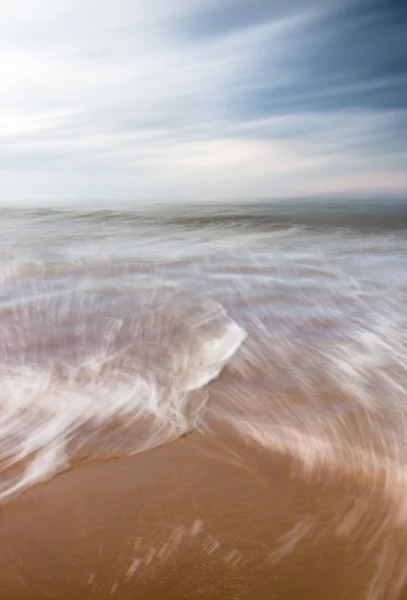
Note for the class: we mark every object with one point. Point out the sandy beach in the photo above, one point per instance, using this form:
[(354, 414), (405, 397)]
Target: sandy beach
[(180, 521)]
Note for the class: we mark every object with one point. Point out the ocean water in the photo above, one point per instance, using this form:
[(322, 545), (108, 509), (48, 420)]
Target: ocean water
[(284, 325)]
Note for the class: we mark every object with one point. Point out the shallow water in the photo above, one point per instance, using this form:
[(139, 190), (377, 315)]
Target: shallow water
[(120, 332)]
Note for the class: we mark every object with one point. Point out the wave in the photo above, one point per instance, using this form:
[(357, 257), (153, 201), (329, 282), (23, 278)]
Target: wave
[(360, 214), (142, 386)]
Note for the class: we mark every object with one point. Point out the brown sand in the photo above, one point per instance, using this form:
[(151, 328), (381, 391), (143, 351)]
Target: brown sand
[(180, 521)]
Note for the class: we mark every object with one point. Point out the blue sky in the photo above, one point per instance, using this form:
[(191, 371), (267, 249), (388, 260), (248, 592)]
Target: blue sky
[(201, 99)]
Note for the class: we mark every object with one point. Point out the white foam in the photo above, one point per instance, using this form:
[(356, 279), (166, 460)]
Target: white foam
[(47, 419)]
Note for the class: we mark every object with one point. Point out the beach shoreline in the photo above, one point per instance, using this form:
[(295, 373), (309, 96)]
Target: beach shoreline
[(179, 521)]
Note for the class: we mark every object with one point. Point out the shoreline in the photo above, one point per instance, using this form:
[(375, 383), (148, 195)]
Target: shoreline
[(178, 521)]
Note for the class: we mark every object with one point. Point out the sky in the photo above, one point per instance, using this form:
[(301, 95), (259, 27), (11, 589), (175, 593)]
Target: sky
[(187, 100)]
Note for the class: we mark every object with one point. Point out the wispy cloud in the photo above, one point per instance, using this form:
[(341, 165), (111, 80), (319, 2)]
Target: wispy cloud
[(195, 99)]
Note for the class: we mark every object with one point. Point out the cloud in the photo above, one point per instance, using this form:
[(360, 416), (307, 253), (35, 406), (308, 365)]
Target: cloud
[(194, 99)]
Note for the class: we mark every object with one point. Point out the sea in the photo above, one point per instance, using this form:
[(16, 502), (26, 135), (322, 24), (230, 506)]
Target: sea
[(283, 324)]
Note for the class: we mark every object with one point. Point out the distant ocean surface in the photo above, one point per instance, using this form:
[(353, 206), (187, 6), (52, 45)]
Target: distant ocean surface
[(283, 324)]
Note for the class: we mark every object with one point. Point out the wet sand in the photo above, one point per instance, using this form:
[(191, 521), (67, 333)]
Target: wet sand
[(185, 520)]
